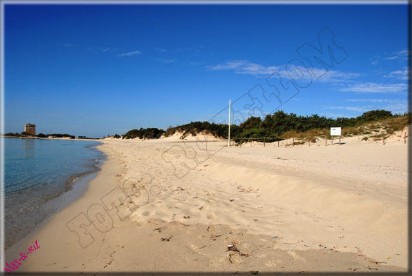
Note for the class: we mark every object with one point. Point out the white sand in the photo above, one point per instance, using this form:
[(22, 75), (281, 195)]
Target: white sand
[(302, 208)]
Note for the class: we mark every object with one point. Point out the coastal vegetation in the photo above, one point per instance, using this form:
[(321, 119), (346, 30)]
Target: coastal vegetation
[(281, 125), (144, 133), (194, 128)]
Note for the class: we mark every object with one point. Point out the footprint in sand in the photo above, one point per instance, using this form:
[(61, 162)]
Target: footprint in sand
[(210, 216)]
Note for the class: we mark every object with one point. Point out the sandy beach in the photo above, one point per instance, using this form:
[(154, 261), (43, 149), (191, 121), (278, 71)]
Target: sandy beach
[(251, 208), (193, 137)]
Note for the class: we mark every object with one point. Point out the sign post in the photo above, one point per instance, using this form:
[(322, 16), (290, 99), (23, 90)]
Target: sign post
[(336, 131)]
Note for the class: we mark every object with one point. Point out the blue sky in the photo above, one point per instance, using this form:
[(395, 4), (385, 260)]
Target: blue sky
[(104, 69)]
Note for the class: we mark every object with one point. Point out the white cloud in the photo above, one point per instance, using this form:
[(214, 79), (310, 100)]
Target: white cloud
[(371, 87), (400, 55), (398, 74), (372, 100), (250, 68), (129, 54), (244, 67), (336, 76), (395, 106), (375, 61), (398, 107), (166, 60), (352, 108)]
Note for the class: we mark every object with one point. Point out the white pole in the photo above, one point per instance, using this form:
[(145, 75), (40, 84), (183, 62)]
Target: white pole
[(228, 137)]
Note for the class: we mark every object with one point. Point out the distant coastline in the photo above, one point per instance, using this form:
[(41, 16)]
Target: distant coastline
[(47, 136)]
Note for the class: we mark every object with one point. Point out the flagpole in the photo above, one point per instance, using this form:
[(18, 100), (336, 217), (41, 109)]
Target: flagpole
[(228, 137)]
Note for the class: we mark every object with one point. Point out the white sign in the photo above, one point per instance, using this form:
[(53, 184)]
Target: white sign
[(335, 131)]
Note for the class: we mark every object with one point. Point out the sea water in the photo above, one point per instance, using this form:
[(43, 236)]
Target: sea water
[(37, 171)]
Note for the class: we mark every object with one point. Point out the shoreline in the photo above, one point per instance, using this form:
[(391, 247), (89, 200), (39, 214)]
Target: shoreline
[(56, 138), (54, 203), (275, 221), (63, 202)]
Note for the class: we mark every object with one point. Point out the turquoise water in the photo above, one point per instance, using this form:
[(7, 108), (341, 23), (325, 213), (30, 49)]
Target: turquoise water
[(38, 170)]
